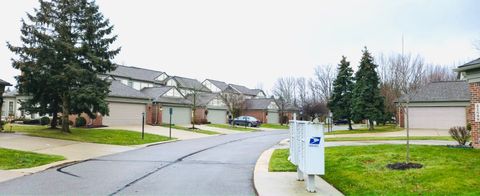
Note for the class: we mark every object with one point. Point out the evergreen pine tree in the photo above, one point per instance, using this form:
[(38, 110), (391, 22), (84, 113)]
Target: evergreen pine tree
[(65, 46), (367, 101), (341, 101)]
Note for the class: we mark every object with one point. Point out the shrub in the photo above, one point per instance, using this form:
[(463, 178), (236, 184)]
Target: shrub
[(3, 123), (460, 134), (80, 122), (71, 123), (44, 120), (31, 122), (469, 126)]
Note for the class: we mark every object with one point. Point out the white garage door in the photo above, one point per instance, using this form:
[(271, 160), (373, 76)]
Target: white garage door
[(124, 114), (437, 117), (180, 116), (217, 116), (273, 118)]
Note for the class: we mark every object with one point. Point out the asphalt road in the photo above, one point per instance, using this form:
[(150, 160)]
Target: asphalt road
[(220, 165)]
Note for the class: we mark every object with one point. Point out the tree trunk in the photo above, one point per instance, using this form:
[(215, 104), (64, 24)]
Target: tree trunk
[(349, 124), (1, 106), (371, 125), (65, 114), (54, 122)]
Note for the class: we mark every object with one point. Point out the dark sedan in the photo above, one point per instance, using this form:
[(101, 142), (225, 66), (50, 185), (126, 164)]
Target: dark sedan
[(246, 120)]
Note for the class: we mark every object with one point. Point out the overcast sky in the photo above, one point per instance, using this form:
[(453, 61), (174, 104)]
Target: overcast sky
[(254, 42)]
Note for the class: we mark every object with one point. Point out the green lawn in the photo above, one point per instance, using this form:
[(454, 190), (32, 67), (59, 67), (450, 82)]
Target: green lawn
[(378, 129), (361, 170), (227, 126), (16, 159), (448, 138), (101, 136), (188, 129), (274, 126)]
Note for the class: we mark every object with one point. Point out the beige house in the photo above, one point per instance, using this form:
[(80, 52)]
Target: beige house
[(437, 106)]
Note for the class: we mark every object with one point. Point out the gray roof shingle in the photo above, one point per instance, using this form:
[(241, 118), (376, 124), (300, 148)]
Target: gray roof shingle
[(258, 104), (157, 95), (190, 83), (441, 91), (5, 83), (202, 98), (118, 89), (474, 62), (136, 73), (244, 90), (219, 84)]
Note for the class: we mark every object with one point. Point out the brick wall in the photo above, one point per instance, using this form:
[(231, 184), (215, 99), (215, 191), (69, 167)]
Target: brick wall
[(258, 114), (474, 98), (90, 122), (153, 115), (200, 117)]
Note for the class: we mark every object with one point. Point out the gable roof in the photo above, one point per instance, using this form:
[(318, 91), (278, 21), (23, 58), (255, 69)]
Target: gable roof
[(441, 92), (157, 95), (10, 93), (475, 64), (118, 89), (202, 98), (244, 90), (219, 84), (189, 83), (4, 83), (258, 104), (136, 73)]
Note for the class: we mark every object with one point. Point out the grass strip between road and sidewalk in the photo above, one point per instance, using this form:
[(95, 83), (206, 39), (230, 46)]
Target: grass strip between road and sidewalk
[(274, 126), (16, 159), (227, 126), (208, 132), (101, 136), (377, 129), (334, 139), (361, 170)]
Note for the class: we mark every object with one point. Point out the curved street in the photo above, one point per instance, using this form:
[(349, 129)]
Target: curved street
[(220, 165)]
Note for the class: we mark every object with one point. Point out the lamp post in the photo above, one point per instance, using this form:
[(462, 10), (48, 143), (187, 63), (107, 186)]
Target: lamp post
[(3, 84)]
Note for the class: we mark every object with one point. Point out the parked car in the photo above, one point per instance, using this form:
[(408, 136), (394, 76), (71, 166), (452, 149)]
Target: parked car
[(340, 121), (246, 120)]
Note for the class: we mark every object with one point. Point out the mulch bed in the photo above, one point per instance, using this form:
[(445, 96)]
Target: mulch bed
[(404, 166)]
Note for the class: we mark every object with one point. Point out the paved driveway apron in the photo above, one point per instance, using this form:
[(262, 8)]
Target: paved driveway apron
[(220, 165)]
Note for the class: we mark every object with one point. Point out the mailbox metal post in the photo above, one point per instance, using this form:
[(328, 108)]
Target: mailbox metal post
[(143, 125), (170, 111)]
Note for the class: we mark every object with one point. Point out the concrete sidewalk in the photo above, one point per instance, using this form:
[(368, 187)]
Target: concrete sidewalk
[(159, 130), (71, 150), (402, 133), (220, 130), (284, 183)]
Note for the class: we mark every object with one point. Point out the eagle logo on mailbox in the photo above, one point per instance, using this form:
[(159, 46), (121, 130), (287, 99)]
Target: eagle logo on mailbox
[(315, 141)]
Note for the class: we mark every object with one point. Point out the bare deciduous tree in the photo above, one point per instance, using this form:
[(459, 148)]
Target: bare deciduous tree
[(285, 88), (323, 81), (234, 102)]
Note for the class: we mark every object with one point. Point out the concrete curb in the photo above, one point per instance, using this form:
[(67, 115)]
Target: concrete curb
[(284, 183)]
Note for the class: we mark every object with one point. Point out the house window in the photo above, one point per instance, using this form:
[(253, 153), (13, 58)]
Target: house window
[(130, 83), (10, 108)]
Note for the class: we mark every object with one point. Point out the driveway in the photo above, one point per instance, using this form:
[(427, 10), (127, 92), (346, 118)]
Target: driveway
[(71, 150), (218, 165)]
